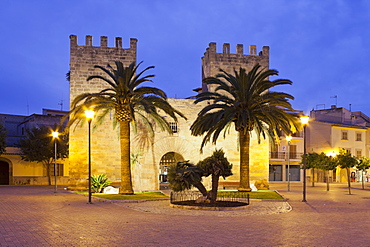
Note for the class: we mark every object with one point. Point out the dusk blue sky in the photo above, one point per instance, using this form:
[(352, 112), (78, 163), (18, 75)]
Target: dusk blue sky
[(322, 46)]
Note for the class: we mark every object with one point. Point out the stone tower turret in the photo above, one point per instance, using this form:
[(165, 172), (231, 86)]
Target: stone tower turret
[(213, 61), (83, 59), (104, 146)]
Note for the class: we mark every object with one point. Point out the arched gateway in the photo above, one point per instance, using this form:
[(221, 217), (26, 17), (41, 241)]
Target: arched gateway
[(168, 159)]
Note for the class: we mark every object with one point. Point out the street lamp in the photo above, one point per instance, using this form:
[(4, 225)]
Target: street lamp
[(89, 116), (288, 138), (55, 135), (304, 121)]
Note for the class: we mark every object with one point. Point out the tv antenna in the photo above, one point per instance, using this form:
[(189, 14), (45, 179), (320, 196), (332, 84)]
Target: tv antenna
[(336, 99)]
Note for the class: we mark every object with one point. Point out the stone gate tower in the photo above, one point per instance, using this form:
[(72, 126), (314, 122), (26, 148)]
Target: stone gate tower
[(213, 61), (154, 159), (104, 151), (211, 64)]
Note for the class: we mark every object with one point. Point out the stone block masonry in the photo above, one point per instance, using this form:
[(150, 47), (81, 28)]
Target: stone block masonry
[(212, 61), (104, 146), (105, 149)]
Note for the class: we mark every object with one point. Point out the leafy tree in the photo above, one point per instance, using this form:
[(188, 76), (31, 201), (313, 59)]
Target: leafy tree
[(245, 100), (130, 103), (312, 161), (327, 163), (216, 165), (363, 165), (2, 139), (38, 146), (346, 161)]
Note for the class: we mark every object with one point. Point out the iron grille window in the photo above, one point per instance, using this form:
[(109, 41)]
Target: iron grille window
[(174, 127)]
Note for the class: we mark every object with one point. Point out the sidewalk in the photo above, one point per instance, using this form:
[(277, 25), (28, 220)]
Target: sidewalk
[(36, 216)]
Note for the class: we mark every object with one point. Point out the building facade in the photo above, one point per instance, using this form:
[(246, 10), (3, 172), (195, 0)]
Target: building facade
[(335, 129), (328, 131), (14, 170), (153, 158), (285, 159)]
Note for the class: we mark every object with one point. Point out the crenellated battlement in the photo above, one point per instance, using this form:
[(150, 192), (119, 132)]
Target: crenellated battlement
[(212, 49), (212, 61), (103, 42), (84, 57)]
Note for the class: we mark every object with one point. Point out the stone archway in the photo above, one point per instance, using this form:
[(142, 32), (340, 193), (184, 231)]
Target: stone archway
[(167, 159), (4, 172)]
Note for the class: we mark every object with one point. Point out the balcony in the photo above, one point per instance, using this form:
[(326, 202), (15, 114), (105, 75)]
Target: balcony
[(283, 155)]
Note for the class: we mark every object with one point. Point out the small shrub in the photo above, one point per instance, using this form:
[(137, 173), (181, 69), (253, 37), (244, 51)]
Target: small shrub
[(99, 182)]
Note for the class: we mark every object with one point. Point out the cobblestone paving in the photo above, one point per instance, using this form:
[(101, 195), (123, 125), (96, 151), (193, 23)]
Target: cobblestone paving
[(255, 208), (36, 216)]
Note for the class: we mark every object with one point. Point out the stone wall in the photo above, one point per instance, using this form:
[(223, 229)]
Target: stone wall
[(105, 155), (213, 61), (104, 140), (188, 147)]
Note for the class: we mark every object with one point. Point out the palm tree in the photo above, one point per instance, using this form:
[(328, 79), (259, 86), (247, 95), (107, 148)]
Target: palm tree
[(216, 165), (244, 99), (183, 175), (130, 104)]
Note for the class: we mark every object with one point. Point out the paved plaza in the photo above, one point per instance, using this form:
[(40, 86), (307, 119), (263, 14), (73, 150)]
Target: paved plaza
[(36, 216)]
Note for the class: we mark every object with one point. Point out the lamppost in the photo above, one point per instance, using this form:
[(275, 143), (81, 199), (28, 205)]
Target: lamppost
[(288, 138), (55, 135), (89, 116), (304, 121)]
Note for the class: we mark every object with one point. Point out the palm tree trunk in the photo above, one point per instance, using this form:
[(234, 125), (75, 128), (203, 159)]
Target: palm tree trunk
[(126, 182), (201, 188), (244, 142), (215, 179)]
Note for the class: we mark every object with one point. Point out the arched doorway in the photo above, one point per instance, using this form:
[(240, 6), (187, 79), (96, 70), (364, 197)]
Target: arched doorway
[(4, 173), (168, 159)]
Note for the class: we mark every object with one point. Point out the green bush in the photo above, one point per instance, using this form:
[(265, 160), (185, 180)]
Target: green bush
[(99, 182)]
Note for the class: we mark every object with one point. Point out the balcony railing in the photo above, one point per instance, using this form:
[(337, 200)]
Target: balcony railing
[(284, 155)]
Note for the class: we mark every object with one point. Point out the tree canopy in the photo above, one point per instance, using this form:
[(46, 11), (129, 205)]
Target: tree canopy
[(38, 146), (346, 161), (131, 102), (246, 101)]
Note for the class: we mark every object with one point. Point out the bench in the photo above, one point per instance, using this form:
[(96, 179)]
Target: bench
[(228, 185)]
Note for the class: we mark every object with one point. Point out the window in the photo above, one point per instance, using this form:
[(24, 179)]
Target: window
[(274, 154), (173, 126), (359, 137), (293, 152), (344, 135), (347, 150), (358, 153)]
